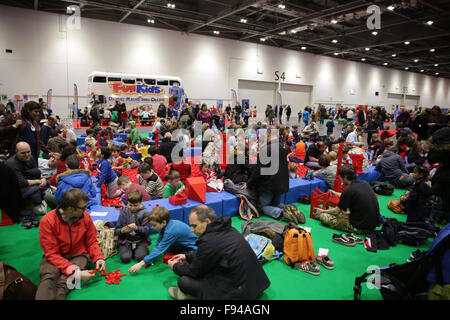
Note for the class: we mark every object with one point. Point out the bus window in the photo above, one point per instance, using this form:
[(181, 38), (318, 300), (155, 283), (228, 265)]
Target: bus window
[(114, 79), (150, 81), (138, 79), (163, 82), (129, 81), (100, 79), (174, 83)]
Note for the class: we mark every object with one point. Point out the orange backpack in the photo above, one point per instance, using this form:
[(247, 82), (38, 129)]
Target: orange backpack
[(298, 246)]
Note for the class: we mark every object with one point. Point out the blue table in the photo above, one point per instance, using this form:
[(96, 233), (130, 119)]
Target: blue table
[(118, 142), (297, 188), (187, 207), (121, 136), (176, 212), (318, 183), (230, 203), (214, 200), (80, 140), (112, 216)]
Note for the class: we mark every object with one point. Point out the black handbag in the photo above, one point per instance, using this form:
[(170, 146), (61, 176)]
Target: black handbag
[(382, 188)]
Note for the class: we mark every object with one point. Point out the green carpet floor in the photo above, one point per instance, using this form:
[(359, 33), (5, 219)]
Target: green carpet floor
[(20, 248)]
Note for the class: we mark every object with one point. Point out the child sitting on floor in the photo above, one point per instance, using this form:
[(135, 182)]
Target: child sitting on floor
[(116, 160), (89, 137), (143, 150), (375, 146), (104, 139), (125, 184), (150, 180), (174, 185), (293, 167), (419, 195), (174, 236), (205, 173), (106, 174), (133, 229)]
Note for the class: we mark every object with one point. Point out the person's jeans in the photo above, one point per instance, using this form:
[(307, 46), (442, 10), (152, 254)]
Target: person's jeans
[(313, 165), (404, 182), (127, 252), (270, 203)]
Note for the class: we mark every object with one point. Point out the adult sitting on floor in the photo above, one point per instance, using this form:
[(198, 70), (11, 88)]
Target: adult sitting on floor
[(223, 267), (353, 137), (313, 154), (359, 198), (68, 238), (271, 179), (31, 183), (393, 168)]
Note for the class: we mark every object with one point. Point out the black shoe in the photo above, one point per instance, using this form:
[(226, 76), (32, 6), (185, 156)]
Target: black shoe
[(342, 239), (34, 221), (27, 222), (416, 255)]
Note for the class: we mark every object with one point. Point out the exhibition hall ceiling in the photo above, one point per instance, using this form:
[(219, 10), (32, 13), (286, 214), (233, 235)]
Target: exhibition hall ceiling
[(406, 35)]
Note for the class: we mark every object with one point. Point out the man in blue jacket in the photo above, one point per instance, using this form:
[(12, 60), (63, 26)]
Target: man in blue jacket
[(75, 178)]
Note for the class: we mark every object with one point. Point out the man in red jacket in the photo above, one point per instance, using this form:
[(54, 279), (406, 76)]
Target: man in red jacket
[(68, 238)]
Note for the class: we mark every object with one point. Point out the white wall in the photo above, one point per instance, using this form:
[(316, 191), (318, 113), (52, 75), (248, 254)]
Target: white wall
[(46, 55)]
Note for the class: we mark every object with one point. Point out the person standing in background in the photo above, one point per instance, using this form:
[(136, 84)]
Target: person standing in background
[(288, 113)]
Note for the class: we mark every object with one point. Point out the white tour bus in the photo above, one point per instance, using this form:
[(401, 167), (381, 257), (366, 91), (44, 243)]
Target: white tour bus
[(133, 89)]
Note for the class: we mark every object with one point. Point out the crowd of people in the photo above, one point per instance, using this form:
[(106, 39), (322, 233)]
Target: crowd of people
[(43, 166)]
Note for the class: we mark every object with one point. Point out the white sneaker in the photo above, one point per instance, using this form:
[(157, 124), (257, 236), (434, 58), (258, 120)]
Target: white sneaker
[(41, 209)]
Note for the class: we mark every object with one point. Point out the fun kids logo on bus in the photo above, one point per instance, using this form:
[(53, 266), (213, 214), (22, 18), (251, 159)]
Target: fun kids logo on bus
[(118, 87)]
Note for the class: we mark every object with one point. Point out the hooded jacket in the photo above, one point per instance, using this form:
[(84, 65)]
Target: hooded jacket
[(391, 166), (224, 264), (140, 218), (77, 178), (58, 239)]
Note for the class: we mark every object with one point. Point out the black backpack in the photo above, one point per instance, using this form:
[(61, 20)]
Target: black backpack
[(382, 188), (406, 281)]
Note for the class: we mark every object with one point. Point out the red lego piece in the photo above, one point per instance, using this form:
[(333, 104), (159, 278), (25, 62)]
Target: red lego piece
[(196, 189), (177, 199)]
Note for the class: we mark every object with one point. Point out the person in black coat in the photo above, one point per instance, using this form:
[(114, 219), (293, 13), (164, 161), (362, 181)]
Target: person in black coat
[(166, 146), (224, 266), (271, 179)]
